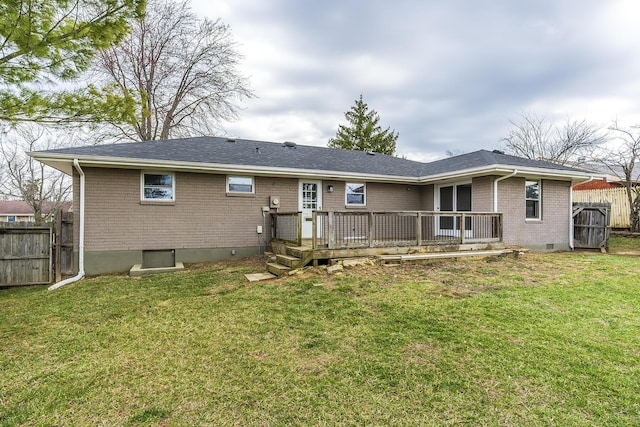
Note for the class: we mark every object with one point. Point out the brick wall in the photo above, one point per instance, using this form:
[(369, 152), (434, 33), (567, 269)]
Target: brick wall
[(482, 194), (203, 216), (380, 197), (551, 229)]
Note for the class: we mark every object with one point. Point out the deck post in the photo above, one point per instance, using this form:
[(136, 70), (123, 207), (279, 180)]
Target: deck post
[(299, 231), (314, 230), (462, 226), (370, 229), (419, 229), (331, 241)]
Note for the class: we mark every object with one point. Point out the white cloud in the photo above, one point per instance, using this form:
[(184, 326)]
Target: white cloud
[(445, 75)]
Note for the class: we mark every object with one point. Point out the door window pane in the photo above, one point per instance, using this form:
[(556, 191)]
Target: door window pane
[(309, 195)]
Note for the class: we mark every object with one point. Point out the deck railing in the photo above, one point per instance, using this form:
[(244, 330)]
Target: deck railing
[(344, 230), (287, 227)]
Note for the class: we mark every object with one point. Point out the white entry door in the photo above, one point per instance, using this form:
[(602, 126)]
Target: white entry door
[(309, 200)]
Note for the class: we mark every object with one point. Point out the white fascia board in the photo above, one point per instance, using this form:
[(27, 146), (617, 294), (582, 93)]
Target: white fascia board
[(507, 169)]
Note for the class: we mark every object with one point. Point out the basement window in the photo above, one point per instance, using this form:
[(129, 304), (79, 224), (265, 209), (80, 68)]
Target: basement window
[(158, 186)]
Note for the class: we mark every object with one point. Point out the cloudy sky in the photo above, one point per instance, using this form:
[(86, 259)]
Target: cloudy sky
[(446, 75)]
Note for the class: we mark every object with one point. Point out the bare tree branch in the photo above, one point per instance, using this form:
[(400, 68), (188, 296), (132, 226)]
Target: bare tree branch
[(182, 71), (539, 138), (621, 160), (43, 188)]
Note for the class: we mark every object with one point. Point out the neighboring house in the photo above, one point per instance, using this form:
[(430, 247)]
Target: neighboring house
[(20, 211), (212, 198), (611, 177), (609, 189)]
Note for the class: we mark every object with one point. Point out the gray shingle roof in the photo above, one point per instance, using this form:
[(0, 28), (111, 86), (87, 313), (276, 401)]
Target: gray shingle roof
[(215, 150)]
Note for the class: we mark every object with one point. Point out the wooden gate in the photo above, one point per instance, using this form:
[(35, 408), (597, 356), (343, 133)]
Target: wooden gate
[(591, 225), (35, 254), (25, 254)]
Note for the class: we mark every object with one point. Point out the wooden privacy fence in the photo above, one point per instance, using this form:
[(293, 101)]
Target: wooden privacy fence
[(617, 197), (591, 225), (25, 254), (35, 254)]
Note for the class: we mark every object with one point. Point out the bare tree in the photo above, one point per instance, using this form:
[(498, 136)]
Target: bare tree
[(621, 160), (539, 138), (43, 188), (180, 70)]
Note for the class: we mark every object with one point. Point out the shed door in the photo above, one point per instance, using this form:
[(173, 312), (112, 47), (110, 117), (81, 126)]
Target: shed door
[(310, 199)]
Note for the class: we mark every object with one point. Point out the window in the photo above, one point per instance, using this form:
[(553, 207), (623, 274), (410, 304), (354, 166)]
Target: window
[(532, 199), (11, 218), (240, 184), (355, 194), (158, 186)]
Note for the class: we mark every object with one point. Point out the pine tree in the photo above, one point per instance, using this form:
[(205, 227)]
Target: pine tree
[(46, 42), (363, 132)]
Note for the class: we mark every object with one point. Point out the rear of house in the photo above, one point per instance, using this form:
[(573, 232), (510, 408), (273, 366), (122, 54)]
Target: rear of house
[(204, 199)]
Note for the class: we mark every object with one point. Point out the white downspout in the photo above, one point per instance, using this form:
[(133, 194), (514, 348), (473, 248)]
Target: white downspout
[(571, 230), (495, 188), (80, 274)]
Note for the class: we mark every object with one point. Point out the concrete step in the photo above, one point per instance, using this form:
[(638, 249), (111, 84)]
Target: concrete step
[(277, 269), (288, 260)]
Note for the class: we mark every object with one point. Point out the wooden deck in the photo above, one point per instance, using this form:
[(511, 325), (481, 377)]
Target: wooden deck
[(339, 235)]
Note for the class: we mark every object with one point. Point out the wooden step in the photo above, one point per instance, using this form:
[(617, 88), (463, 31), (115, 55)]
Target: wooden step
[(298, 251), (277, 269), (435, 255), (288, 260)]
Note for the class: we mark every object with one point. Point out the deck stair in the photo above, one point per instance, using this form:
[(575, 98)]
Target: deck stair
[(295, 257)]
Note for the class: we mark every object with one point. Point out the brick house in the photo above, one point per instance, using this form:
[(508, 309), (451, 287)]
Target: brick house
[(211, 198)]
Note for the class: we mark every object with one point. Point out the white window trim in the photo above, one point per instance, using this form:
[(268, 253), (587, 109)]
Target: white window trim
[(346, 193), (15, 218), (173, 186), (539, 200), (253, 185)]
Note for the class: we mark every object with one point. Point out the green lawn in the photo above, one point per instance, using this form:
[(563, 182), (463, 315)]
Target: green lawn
[(545, 339)]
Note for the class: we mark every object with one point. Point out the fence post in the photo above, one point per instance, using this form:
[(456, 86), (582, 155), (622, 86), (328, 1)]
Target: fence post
[(57, 235), (419, 229)]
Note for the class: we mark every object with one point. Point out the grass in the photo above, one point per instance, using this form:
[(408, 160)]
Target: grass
[(545, 339)]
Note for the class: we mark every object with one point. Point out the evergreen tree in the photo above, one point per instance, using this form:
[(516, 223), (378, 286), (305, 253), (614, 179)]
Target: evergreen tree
[(48, 41), (363, 132)]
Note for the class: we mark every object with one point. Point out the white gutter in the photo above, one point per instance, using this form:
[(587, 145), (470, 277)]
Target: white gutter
[(571, 230), (495, 188), (80, 274)]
